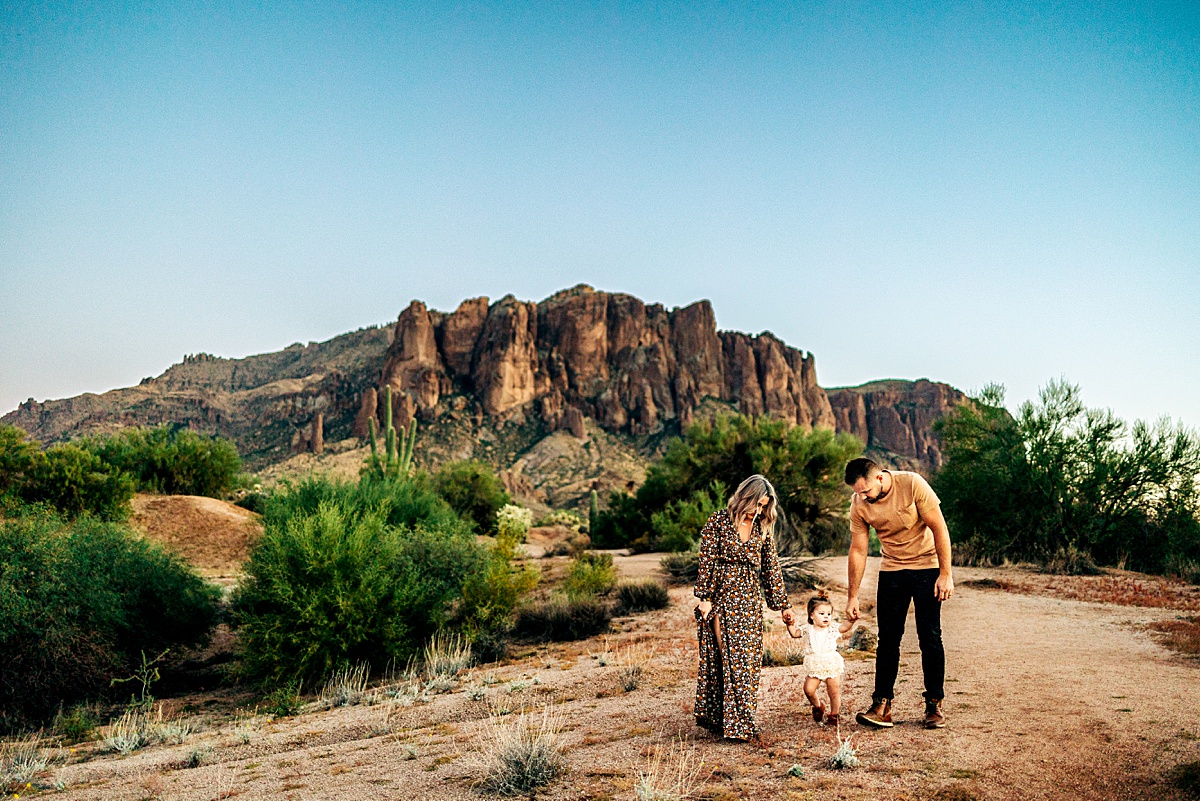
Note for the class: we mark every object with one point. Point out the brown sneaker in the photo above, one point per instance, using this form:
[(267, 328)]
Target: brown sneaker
[(933, 714), (818, 713), (879, 716), (831, 720)]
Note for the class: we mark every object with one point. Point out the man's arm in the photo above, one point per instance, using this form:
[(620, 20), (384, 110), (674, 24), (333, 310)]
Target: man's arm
[(933, 518), (856, 565)]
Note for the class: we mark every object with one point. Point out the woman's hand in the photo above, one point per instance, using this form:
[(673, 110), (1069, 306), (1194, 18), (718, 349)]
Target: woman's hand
[(789, 617), (705, 608)]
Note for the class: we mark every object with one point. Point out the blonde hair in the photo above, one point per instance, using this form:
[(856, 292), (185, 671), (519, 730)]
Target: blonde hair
[(746, 497)]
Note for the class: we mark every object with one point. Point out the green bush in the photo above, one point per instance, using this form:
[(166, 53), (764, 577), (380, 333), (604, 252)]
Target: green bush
[(79, 605), (170, 459), (681, 568), (490, 596), (18, 458), (342, 586), (562, 619), (590, 574), (642, 596), (1066, 486), (474, 491), (407, 502), (712, 457)]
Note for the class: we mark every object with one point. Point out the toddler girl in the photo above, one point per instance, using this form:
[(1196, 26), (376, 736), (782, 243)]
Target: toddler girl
[(822, 662)]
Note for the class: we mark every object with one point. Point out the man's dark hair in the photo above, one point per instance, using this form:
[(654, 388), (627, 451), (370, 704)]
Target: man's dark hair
[(862, 467)]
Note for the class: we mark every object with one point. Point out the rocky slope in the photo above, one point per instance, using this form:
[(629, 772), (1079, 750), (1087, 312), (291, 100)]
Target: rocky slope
[(493, 380)]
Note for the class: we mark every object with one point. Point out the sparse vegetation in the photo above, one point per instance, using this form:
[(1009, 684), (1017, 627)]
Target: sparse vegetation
[(698, 471), (681, 568), (20, 762), (1181, 634), (641, 596), (346, 686), (670, 774), (845, 757), (445, 655), (79, 604), (77, 725)]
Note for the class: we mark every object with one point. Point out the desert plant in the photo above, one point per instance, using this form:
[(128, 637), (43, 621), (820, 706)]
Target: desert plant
[(397, 461), (341, 586), (805, 467), (561, 619), (490, 595), (474, 491), (862, 639), (642, 596), (590, 574), (76, 725), (79, 604), (77, 482), (21, 761), (1186, 777), (131, 732), (632, 660), (845, 757), (523, 753), (170, 459), (563, 517), (284, 700), (681, 568), (797, 575), (671, 774), (512, 523), (1066, 486), (593, 510), (446, 654), (346, 686), (18, 458)]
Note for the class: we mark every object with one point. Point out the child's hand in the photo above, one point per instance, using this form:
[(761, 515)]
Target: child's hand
[(795, 631), (845, 626)]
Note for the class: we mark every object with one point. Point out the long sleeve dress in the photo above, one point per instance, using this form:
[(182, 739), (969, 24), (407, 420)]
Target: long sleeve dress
[(735, 576)]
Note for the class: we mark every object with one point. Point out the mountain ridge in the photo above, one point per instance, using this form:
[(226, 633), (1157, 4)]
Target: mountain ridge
[(492, 379)]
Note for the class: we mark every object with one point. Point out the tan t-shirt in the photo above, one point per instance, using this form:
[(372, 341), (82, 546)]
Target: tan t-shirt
[(899, 520)]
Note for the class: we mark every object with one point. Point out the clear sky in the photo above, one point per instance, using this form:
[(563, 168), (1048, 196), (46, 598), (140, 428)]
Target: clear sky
[(970, 192)]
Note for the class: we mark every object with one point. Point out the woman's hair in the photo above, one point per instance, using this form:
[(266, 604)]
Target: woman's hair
[(817, 600), (745, 499)]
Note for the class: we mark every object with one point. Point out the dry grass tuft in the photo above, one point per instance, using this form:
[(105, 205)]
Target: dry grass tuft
[(670, 774), (445, 655), (522, 753), (347, 686), (633, 660), (21, 761)]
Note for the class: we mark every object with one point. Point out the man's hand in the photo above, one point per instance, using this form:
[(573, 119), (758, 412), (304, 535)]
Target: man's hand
[(944, 587), (852, 607), (705, 608), (789, 617)]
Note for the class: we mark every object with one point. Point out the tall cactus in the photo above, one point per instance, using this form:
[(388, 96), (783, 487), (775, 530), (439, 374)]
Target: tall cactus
[(397, 461), (593, 512)]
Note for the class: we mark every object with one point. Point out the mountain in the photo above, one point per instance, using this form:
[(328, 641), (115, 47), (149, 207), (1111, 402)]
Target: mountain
[(582, 388)]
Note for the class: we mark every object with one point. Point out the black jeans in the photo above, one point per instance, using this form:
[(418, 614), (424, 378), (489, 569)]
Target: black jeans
[(896, 589)]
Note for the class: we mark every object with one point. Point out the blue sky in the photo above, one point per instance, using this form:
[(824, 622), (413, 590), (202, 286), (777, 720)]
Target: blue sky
[(965, 191)]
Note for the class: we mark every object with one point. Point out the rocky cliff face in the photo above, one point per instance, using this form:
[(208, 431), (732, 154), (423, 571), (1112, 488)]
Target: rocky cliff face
[(895, 419), (489, 380)]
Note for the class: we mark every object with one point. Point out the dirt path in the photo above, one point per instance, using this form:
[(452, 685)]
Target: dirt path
[(1048, 699)]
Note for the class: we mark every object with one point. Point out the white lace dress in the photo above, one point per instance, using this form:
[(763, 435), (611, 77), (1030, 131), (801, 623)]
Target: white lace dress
[(821, 659)]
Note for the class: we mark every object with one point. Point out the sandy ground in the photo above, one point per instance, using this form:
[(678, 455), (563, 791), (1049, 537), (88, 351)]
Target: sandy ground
[(1049, 698), (213, 535)]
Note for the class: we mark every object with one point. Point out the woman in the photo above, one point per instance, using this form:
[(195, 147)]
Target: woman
[(737, 560)]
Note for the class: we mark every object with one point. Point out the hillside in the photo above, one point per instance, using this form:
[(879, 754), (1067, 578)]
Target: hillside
[(575, 392)]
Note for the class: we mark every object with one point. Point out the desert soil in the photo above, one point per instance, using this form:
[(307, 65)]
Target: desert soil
[(213, 535), (1048, 698)]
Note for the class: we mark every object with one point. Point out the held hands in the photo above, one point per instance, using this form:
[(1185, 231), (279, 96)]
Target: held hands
[(944, 587), (852, 608), (789, 617)]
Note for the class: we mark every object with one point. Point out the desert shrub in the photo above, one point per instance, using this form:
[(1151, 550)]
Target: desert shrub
[(1066, 486), (406, 502), (81, 602), (1186, 777), (512, 523), (18, 457), (563, 517), (562, 619), (170, 459), (642, 596), (590, 574), (712, 457), (797, 575), (681, 568), (474, 491), (490, 595), (76, 482), (342, 586), (522, 754), (76, 725)]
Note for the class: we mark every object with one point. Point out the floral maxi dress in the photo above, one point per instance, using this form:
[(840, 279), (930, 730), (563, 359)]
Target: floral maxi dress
[(735, 576)]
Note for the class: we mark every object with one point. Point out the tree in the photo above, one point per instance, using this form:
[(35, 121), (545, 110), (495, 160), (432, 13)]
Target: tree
[(473, 490), (712, 458), (1063, 485)]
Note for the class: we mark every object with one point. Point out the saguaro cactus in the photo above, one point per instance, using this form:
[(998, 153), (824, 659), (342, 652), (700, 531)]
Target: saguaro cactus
[(397, 458)]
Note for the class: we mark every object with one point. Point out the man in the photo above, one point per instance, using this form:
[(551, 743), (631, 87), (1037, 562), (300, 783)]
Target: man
[(907, 517)]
